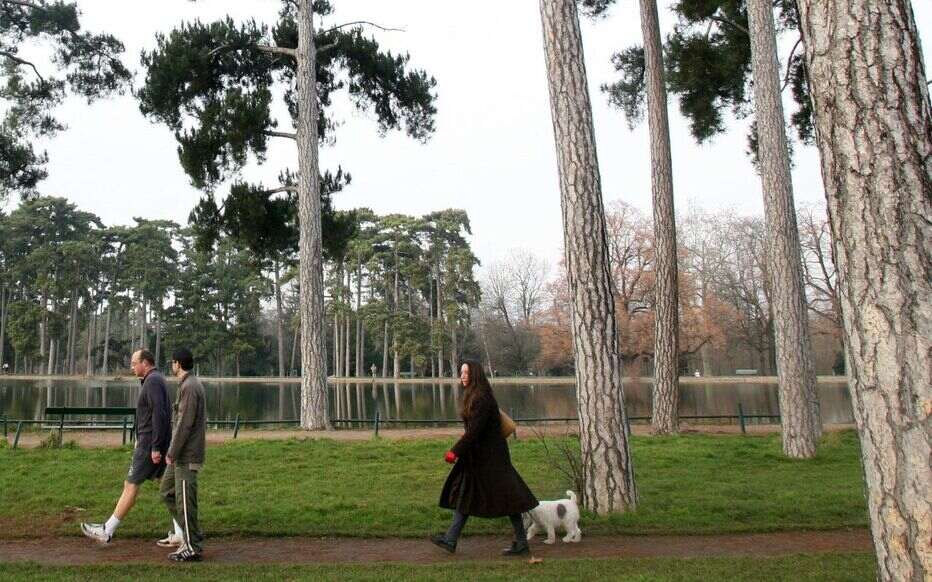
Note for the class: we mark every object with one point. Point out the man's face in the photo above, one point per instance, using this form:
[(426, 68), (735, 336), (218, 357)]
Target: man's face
[(138, 366), (176, 368)]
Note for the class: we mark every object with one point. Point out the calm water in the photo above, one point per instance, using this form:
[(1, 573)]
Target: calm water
[(27, 399)]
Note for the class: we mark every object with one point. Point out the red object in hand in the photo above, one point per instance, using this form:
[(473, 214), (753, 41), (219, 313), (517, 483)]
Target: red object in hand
[(450, 457)]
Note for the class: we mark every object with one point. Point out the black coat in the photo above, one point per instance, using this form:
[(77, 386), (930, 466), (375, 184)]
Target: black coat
[(483, 482)]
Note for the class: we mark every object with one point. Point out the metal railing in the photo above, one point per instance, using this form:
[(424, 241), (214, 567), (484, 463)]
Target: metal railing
[(376, 422)]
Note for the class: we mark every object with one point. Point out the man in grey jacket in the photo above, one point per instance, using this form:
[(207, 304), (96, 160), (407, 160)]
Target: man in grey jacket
[(153, 433), (185, 458)]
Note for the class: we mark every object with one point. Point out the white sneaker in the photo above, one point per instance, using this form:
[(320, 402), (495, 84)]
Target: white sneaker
[(172, 540), (96, 531)]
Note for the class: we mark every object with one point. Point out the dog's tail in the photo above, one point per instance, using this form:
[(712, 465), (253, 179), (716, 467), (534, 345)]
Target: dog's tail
[(571, 495)]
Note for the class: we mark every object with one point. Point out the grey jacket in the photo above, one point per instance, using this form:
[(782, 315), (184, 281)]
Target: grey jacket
[(190, 423)]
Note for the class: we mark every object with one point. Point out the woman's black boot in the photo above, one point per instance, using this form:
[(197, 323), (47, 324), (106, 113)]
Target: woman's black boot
[(517, 549), (440, 540)]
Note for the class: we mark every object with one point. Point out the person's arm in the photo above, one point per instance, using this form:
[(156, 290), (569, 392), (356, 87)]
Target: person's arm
[(187, 409), (475, 427), (157, 397)]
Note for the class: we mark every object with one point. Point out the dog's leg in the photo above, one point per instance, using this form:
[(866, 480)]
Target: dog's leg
[(551, 535), (532, 530)]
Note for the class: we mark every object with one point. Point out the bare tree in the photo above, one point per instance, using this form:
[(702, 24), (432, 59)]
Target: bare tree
[(606, 457), (815, 239), (874, 131)]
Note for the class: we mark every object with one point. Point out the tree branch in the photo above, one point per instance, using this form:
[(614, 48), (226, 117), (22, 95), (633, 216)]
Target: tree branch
[(23, 3), (278, 50), (361, 22), (16, 59), (326, 47), (281, 134), (282, 189), (789, 63), (721, 20)]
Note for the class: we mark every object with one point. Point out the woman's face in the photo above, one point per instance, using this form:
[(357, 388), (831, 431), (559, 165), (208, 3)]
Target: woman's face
[(464, 375)]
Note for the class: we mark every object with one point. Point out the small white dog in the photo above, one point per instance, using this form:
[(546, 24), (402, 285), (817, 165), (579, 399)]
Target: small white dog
[(549, 515)]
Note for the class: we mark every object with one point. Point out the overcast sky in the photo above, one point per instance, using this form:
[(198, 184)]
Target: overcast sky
[(492, 155)]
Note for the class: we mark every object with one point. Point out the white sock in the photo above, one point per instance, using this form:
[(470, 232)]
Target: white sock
[(178, 531), (111, 525)]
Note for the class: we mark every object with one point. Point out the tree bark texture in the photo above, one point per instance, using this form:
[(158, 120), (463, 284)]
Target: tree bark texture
[(799, 403), (874, 132), (606, 458), (665, 395), (313, 346)]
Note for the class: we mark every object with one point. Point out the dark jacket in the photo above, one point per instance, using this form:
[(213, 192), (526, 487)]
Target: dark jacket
[(189, 434), (153, 414), (483, 482)]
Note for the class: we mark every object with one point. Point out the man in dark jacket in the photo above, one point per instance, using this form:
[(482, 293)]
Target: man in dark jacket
[(153, 436), (185, 459)]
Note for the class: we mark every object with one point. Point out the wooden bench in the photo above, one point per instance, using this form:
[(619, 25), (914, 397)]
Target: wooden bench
[(62, 411)]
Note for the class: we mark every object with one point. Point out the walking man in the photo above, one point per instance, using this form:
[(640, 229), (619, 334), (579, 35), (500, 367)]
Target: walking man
[(153, 433), (185, 458)]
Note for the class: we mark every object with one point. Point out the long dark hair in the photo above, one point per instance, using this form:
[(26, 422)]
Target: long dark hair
[(478, 386)]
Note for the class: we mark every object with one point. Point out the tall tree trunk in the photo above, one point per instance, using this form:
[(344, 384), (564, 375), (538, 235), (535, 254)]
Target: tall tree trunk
[(453, 350), (385, 350), (440, 324), (874, 131), (294, 346), (91, 336), (360, 341), (799, 408), (158, 339), (43, 329), (606, 459), (4, 303), (430, 326), (52, 356), (73, 335), (279, 322), (396, 357), (106, 356), (665, 394), (313, 345), (336, 343), (347, 353)]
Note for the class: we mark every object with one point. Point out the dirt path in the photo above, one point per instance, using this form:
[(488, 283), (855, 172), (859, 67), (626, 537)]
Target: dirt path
[(300, 550)]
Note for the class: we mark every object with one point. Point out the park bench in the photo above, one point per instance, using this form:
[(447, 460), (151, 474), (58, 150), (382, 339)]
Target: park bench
[(745, 372), (62, 411)]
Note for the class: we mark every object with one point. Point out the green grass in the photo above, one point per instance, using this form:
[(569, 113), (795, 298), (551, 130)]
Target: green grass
[(688, 484), (828, 567)]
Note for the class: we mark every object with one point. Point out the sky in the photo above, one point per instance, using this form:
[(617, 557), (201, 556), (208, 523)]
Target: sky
[(492, 154)]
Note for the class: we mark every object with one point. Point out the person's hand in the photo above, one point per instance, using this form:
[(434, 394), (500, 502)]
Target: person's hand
[(168, 460), (450, 457), (156, 457)]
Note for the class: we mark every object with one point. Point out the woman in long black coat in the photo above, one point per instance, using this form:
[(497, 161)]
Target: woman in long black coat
[(483, 482)]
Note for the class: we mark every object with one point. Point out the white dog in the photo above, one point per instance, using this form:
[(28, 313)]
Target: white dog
[(549, 515)]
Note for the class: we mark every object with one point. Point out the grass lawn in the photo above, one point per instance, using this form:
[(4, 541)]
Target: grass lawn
[(829, 567), (688, 484)]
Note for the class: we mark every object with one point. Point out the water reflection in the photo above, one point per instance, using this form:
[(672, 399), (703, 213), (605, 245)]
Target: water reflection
[(27, 399)]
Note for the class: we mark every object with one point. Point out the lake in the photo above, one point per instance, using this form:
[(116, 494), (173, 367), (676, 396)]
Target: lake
[(27, 399)]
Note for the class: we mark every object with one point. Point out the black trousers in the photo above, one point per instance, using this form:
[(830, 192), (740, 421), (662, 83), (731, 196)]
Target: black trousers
[(459, 520)]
